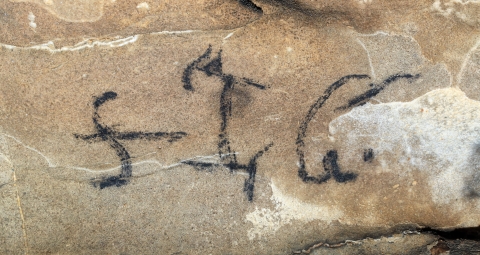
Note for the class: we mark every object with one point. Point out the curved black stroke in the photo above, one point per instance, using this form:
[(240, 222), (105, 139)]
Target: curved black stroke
[(212, 66), (330, 164), (377, 88), (302, 172), (187, 73), (107, 134)]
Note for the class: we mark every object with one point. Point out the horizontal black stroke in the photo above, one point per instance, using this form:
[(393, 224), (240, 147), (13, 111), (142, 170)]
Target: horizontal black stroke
[(112, 137)]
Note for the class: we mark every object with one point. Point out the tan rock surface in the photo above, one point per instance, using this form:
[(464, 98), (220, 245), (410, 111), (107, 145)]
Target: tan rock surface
[(207, 132), (32, 22)]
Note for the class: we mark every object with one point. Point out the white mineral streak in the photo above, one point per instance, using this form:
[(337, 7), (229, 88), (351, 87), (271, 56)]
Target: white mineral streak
[(372, 70), (88, 43), (287, 208), (154, 164), (437, 134), (175, 32)]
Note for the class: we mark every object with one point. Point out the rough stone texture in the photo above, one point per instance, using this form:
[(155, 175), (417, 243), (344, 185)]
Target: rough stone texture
[(238, 127), (395, 244), (31, 22)]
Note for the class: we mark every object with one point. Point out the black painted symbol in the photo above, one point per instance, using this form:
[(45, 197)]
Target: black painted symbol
[(212, 66), (330, 164), (368, 155), (109, 135)]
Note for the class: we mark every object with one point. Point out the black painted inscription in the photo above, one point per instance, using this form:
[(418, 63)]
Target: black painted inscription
[(212, 66), (330, 165), (109, 135)]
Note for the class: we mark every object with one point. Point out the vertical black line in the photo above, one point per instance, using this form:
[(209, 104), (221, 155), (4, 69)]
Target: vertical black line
[(249, 185), (225, 113)]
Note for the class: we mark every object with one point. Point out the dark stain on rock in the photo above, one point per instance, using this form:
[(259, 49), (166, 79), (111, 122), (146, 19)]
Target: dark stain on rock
[(440, 248), (250, 5)]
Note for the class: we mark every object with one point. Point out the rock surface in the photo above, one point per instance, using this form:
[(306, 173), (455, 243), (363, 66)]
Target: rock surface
[(238, 127)]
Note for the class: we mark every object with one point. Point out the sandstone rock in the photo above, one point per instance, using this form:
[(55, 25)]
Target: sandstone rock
[(63, 23), (202, 132)]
